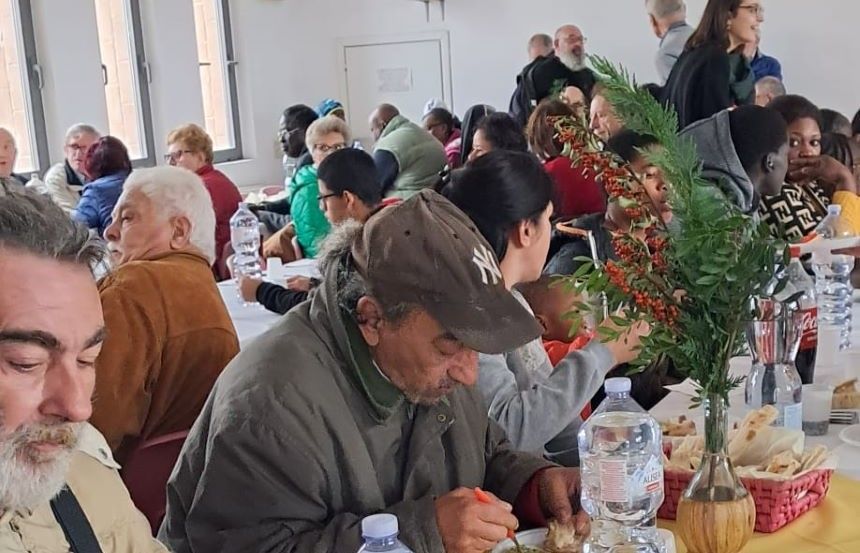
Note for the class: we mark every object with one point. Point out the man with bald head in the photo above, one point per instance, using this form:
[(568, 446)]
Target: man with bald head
[(407, 157), (549, 76), (9, 181), (768, 88), (540, 46)]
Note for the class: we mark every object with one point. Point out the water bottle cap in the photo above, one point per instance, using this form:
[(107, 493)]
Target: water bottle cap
[(617, 385), (794, 251), (379, 526), (834, 209)]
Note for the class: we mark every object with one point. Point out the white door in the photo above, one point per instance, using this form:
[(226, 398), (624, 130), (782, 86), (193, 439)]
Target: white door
[(405, 72)]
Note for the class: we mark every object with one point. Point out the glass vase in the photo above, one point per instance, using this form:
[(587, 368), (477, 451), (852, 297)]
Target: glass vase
[(716, 494)]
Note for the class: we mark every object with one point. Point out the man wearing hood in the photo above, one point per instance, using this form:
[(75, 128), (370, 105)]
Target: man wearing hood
[(744, 152)]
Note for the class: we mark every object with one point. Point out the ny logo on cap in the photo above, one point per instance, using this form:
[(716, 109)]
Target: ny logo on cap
[(486, 263)]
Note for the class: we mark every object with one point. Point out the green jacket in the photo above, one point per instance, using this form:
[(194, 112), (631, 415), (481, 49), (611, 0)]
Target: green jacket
[(302, 436), (309, 220), (419, 156)]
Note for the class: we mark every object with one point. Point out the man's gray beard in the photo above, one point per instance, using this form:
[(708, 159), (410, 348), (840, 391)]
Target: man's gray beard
[(572, 61), (25, 483)]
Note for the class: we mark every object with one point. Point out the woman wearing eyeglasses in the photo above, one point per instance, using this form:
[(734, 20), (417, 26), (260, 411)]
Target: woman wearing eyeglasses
[(325, 136), (190, 147), (713, 74)]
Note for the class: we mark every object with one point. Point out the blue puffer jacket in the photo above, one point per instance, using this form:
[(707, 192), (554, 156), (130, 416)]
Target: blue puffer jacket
[(98, 200)]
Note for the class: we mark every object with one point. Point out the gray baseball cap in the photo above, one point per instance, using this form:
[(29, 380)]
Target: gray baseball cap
[(427, 252)]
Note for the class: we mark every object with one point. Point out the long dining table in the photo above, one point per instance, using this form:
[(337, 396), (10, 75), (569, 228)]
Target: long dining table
[(250, 318)]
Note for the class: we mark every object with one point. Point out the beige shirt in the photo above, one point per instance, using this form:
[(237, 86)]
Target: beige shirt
[(93, 477)]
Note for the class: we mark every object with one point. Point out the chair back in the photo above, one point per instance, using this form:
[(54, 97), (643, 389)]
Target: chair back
[(146, 472), (297, 248)]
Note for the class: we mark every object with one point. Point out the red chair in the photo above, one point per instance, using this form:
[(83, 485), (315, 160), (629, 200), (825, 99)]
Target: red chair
[(146, 473)]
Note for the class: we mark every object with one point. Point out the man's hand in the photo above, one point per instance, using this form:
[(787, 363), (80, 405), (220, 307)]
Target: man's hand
[(824, 169), (299, 284), (557, 487), (469, 526), (248, 288)]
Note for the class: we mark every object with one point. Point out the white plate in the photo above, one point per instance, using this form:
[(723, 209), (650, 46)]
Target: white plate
[(536, 537), (851, 435), (533, 538)]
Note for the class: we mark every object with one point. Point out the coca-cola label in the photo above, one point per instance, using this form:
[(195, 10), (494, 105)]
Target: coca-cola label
[(809, 328)]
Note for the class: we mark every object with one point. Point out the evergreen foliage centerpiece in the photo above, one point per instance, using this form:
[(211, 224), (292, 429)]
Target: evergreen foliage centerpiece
[(691, 280)]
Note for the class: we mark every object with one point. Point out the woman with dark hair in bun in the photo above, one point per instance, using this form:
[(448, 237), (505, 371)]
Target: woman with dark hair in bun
[(508, 195)]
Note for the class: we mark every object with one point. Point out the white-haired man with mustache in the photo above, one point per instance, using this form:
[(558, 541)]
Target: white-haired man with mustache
[(59, 486), (550, 76)]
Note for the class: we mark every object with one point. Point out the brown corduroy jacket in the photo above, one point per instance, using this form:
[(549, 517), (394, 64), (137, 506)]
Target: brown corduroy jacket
[(168, 338)]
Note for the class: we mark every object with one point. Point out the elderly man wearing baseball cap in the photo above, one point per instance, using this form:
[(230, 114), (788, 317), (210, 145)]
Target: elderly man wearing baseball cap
[(361, 401)]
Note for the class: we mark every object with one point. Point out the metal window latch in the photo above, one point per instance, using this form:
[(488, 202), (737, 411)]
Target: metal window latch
[(104, 74), (37, 73), (147, 71)]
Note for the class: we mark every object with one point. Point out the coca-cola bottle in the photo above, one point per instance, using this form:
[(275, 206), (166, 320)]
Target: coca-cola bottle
[(800, 281)]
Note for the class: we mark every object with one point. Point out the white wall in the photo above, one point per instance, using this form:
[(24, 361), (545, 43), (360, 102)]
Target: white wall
[(287, 53)]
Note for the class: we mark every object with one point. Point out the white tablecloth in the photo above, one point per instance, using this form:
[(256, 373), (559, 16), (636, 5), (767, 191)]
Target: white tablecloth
[(252, 319), (846, 365)]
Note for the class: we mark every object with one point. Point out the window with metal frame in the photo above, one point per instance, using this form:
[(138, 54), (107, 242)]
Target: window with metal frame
[(21, 82), (126, 75), (218, 77)]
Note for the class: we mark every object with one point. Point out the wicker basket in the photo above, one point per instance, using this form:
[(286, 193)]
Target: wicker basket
[(777, 502)]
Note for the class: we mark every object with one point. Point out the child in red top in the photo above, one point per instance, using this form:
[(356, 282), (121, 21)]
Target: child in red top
[(551, 302)]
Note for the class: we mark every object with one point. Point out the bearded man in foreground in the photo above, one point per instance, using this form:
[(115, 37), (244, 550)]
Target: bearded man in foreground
[(59, 486)]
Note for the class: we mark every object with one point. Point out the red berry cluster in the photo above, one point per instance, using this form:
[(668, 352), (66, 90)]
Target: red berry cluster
[(638, 261)]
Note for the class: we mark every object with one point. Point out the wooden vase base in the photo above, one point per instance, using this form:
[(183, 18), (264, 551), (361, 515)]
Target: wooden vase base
[(716, 526)]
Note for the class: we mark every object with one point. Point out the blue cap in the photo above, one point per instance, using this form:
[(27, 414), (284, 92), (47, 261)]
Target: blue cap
[(327, 106)]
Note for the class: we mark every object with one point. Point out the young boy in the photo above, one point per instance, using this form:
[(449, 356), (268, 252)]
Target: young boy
[(551, 302), (348, 189)]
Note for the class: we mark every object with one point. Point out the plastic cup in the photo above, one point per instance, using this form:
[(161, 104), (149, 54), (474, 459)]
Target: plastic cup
[(275, 269), (817, 401)]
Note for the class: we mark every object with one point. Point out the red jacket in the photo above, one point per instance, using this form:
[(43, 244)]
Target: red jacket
[(576, 194), (225, 200)]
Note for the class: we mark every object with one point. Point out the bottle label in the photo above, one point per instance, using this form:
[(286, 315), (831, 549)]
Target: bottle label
[(809, 328), (649, 479), (613, 481), (793, 416), (617, 486)]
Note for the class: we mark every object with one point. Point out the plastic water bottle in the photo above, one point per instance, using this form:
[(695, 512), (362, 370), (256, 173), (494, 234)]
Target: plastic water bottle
[(833, 287), (620, 448), (802, 286), (245, 238), (380, 534)]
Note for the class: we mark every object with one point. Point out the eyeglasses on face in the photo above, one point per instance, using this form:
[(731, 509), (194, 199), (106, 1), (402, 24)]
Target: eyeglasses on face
[(284, 133), (326, 148), (323, 197), (755, 9), (173, 157)]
